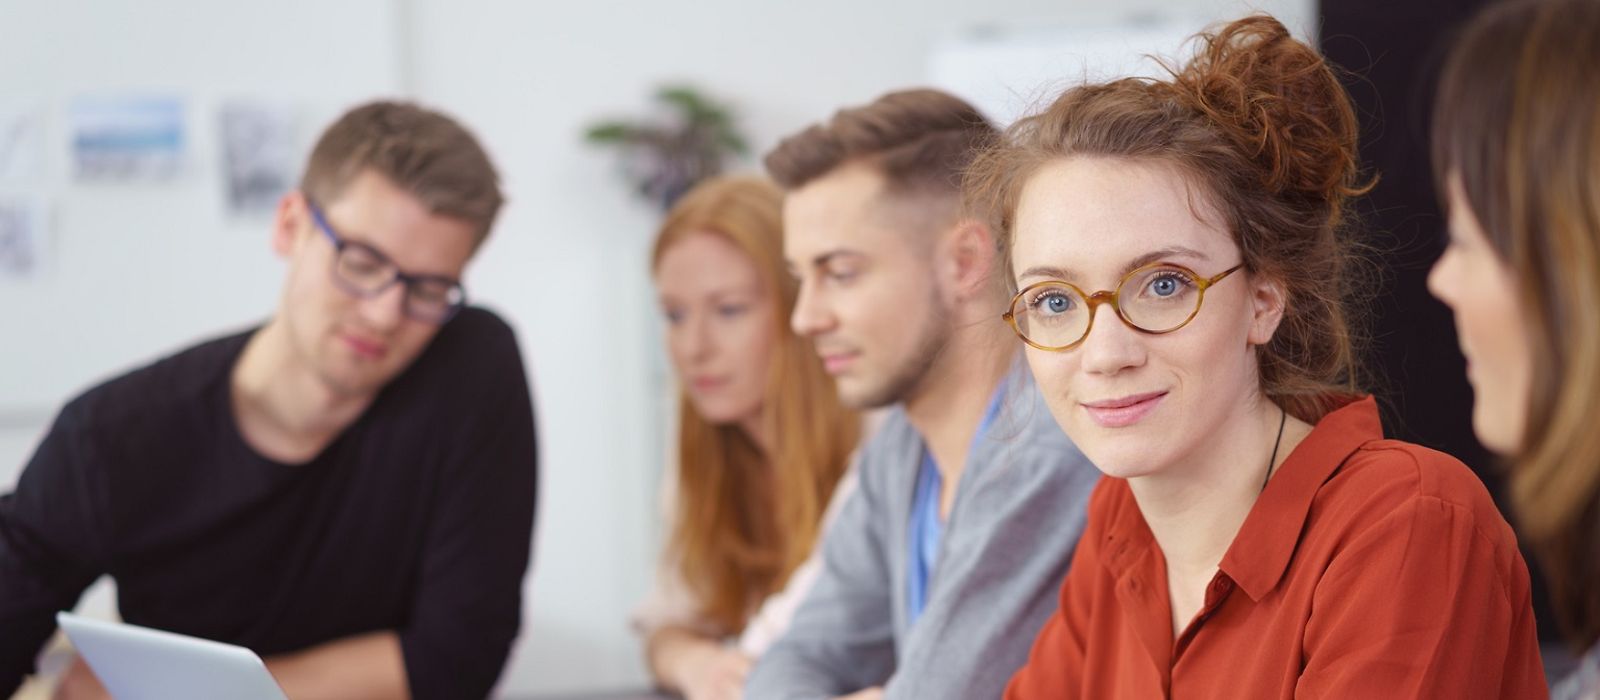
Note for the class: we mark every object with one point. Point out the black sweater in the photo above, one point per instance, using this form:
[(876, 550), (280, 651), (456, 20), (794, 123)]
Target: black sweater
[(416, 519)]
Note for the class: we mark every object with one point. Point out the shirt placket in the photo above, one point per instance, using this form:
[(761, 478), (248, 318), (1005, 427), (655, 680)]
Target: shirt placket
[(1217, 592)]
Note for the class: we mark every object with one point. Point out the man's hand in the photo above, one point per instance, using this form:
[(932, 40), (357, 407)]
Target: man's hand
[(80, 683), (364, 667)]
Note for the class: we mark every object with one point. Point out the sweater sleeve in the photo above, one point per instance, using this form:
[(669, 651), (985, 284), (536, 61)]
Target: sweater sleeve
[(842, 638), (52, 542), (467, 605)]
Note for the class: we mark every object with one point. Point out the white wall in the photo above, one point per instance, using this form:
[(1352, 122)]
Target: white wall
[(140, 270)]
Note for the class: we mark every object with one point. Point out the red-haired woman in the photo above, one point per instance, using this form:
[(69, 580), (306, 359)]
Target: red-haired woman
[(763, 441), (1184, 274)]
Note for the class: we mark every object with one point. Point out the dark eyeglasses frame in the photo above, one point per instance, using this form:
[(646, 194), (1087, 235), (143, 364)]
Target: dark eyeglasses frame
[(340, 243)]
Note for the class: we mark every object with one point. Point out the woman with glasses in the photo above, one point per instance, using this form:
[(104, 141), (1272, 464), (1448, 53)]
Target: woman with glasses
[(1517, 157), (763, 441), (1184, 272)]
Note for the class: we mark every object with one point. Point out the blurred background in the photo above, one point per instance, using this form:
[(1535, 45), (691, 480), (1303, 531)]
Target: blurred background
[(143, 145)]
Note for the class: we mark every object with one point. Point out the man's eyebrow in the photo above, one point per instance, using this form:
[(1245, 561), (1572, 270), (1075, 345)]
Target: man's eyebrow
[(823, 259)]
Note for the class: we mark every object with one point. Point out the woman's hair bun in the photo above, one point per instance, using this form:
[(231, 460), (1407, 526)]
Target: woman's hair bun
[(1277, 100)]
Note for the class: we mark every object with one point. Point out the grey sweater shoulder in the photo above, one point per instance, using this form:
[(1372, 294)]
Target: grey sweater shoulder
[(1018, 512)]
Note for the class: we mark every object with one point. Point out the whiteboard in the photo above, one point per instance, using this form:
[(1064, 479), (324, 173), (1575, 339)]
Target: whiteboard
[(1009, 73)]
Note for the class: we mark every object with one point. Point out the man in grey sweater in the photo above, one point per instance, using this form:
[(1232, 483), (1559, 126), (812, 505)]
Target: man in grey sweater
[(944, 565)]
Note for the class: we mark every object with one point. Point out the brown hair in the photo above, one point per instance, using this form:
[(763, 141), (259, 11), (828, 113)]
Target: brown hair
[(1266, 135), (743, 522), (421, 151), (1518, 121), (920, 140)]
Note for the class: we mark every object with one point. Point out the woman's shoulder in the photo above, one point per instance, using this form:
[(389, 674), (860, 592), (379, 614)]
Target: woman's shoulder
[(1411, 486), (1404, 470)]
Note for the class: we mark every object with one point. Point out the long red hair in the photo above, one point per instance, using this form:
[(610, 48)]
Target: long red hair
[(744, 524)]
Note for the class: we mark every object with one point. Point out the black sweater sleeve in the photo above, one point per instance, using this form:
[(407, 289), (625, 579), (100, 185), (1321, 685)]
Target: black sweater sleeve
[(467, 607), (52, 542)]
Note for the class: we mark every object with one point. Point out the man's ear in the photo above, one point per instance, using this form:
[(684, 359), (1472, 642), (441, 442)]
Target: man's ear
[(289, 224), (970, 258), (1269, 299)]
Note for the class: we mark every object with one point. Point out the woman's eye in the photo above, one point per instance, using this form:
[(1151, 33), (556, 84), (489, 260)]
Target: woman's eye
[(1052, 303), (1167, 285), (673, 316), (730, 310)]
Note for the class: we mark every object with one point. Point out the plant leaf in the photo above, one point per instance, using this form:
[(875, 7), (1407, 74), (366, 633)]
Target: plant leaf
[(611, 132)]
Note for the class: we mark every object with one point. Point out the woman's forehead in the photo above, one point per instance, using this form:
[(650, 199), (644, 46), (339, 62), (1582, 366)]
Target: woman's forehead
[(1090, 214), (706, 261)]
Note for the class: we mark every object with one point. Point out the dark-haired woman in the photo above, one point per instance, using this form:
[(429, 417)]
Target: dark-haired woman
[(1517, 156), (1183, 276)]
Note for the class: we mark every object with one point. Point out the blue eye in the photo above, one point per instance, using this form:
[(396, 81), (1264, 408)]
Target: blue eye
[(1052, 302), (730, 311), (1167, 284)]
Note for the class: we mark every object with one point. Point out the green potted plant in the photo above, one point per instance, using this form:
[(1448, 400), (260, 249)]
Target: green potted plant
[(665, 157)]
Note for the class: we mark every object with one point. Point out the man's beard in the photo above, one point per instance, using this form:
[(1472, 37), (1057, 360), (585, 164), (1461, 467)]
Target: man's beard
[(933, 335)]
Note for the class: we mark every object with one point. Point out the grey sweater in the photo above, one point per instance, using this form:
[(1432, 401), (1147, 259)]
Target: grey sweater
[(1019, 509)]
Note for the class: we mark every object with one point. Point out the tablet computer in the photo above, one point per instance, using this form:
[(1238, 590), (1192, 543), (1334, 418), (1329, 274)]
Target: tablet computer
[(138, 663)]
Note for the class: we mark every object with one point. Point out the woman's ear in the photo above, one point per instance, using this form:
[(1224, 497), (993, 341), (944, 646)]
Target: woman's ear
[(1269, 299)]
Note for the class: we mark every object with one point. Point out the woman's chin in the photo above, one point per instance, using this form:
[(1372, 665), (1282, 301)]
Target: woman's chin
[(1498, 433), (1121, 461)]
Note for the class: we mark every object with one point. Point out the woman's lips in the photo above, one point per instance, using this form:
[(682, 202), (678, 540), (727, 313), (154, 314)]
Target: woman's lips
[(707, 384), (1125, 411)]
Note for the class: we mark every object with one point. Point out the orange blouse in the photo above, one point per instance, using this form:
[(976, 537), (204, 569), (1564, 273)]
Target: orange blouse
[(1368, 568)]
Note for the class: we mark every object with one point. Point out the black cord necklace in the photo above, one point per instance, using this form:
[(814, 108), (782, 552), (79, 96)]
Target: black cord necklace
[(1283, 420)]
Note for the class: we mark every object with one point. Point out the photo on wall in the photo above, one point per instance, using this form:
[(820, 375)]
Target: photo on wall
[(22, 229), (21, 144), (128, 139), (258, 155)]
